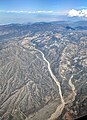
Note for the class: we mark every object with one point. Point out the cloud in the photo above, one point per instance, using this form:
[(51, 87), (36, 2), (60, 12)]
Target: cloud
[(35, 12), (28, 12), (77, 13)]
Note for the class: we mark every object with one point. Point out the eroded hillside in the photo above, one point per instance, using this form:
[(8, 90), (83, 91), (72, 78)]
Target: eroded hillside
[(43, 71)]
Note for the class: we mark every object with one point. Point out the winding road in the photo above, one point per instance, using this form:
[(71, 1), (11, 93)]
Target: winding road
[(72, 85), (60, 107)]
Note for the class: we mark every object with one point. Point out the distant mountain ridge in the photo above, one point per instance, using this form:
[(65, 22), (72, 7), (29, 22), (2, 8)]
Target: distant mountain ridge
[(16, 30)]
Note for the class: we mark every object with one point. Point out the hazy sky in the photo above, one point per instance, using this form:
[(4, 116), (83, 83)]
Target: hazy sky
[(21, 11)]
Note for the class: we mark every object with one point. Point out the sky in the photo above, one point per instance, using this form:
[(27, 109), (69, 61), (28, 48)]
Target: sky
[(23, 11)]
